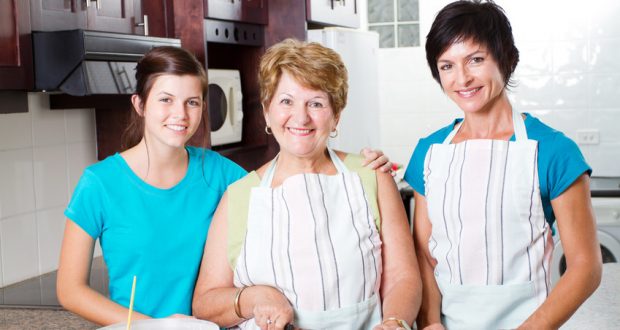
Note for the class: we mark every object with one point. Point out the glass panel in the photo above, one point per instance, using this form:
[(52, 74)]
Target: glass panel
[(386, 35), (408, 35), (380, 11), (408, 10)]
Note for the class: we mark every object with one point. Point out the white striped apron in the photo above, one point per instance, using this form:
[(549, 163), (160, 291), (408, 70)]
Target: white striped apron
[(314, 238), (489, 234)]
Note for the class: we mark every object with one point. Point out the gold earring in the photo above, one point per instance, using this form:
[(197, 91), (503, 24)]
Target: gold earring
[(268, 130), (334, 132)]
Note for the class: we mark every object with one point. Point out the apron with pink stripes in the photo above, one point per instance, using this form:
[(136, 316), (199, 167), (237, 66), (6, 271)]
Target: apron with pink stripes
[(489, 234), (314, 238)]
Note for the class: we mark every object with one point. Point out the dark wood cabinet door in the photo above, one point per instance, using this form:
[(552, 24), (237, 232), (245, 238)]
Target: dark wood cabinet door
[(246, 11), (51, 15), (15, 46), (113, 16)]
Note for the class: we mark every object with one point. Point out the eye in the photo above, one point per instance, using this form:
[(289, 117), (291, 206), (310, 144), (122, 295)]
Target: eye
[(194, 103), (477, 59), (286, 101), (445, 67), (315, 105), (165, 100)]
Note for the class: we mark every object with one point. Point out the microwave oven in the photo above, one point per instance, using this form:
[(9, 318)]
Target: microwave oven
[(225, 106)]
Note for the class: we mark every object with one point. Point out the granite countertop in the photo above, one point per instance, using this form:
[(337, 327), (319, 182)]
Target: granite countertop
[(600, 311), (40, 318)]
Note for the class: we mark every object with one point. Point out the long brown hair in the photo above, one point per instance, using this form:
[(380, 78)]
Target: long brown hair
[(157, 62)]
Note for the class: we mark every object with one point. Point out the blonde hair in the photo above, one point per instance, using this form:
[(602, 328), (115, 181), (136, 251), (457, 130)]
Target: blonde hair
[(311, 64)]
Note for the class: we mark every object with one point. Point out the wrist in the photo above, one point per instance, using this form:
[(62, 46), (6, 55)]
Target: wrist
[(394, 320)]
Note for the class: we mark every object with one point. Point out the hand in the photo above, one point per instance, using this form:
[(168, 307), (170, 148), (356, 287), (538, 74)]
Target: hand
[(272, 311), (434, 326), (388, 326), (375, 159), (180, 316)]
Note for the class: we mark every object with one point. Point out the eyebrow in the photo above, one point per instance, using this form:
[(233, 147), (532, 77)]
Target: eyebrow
[(467, 57), (169, 94)]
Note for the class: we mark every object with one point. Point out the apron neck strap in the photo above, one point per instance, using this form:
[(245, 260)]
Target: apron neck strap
[(517, 122), (268, 177)]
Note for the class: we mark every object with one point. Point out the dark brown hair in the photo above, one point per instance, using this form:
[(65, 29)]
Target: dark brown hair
[(157, 62), (482, 22)]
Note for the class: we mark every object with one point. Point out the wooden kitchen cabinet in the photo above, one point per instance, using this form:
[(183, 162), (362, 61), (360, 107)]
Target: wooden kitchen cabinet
[(15, 46), (333, 13), (245, 11), (119, 16)]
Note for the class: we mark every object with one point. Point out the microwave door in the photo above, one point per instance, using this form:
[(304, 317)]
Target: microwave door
[(218, 107)]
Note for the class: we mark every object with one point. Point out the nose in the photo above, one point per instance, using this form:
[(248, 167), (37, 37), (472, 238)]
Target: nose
[(179, 110), (300, 114), (463, 76)]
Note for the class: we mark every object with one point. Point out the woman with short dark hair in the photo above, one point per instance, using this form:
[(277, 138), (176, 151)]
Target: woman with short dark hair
[(488, 188)]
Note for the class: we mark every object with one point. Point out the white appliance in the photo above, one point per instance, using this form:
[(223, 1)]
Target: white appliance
[(225, 106), (606, 206), (359, 121)]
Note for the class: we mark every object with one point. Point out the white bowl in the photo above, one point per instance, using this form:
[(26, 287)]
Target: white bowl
[(165, 324)]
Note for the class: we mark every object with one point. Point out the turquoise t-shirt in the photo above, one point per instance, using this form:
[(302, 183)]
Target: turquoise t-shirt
[(560, 161), (158, 235)]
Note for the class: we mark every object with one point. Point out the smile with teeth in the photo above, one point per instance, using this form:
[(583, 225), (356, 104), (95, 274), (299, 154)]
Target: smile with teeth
[(299, 131), (177, 128), (468, 92)]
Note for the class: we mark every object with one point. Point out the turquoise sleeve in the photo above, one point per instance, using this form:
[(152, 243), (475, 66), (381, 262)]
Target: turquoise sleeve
[(86, 206)]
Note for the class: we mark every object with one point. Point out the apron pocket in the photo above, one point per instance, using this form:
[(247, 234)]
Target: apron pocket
[(364, 315), (486, 306)]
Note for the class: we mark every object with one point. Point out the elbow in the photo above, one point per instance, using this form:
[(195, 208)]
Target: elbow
[(199, 307)]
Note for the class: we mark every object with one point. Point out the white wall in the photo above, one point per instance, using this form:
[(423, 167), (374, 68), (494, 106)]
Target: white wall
[(568, 76), (42, 156)]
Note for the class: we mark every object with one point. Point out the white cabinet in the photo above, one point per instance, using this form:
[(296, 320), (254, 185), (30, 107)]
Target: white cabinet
[(333, 12)]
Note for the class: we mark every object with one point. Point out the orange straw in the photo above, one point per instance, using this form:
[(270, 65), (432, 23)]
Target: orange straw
[(133, 291)]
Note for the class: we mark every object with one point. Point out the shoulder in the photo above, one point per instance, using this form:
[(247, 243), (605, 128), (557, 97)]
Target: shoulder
[(109, 167), (218, 165), (550, 140), (437, 136), (247, 182)]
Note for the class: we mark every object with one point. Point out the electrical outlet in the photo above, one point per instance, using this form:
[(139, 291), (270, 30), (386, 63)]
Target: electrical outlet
[(588, 136)]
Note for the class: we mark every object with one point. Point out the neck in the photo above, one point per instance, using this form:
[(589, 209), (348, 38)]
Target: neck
[(289, 165), (493, 123), (162, 167)]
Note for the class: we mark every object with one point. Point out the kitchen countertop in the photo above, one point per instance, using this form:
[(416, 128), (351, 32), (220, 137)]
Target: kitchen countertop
[(40, 318)]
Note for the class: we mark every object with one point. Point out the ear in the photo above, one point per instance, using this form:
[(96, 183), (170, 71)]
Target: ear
[(266, 115), (136, 101), (337, 120)]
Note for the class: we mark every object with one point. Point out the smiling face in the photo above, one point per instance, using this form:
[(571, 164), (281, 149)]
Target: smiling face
[(470, 76), (172, 110), (300, 118)]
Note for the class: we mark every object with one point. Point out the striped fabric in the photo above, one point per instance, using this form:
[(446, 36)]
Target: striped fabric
[(488, 225), (315, 239)]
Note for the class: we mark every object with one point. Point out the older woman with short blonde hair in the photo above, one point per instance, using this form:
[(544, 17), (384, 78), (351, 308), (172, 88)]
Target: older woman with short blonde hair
[(311, 239)]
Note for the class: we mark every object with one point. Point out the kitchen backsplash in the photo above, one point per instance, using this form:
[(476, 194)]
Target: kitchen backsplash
[(568, 76), (42, 156)]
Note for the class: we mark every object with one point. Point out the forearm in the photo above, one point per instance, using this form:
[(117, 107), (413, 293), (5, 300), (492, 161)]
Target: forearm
[(573, 288), (93, 306), (403, 300), (430, 309), (218, 305)]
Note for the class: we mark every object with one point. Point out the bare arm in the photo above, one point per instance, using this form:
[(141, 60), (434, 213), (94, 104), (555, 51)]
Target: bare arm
[(73, 290), (401, 288), (430, 311), (214, 295), (577, 228)]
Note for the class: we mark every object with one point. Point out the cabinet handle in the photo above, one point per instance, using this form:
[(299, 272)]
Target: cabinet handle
[(145, 23)]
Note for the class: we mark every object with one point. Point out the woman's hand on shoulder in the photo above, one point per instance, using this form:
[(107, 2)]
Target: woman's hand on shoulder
[(271, 311), (376, 160)]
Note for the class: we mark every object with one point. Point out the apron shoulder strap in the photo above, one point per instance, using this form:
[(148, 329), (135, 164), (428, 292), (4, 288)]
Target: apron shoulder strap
[(239, 192), (353, 163)]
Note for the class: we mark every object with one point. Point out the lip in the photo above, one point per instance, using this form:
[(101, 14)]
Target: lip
[(469, 92), (300, 131), (177, 128)]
